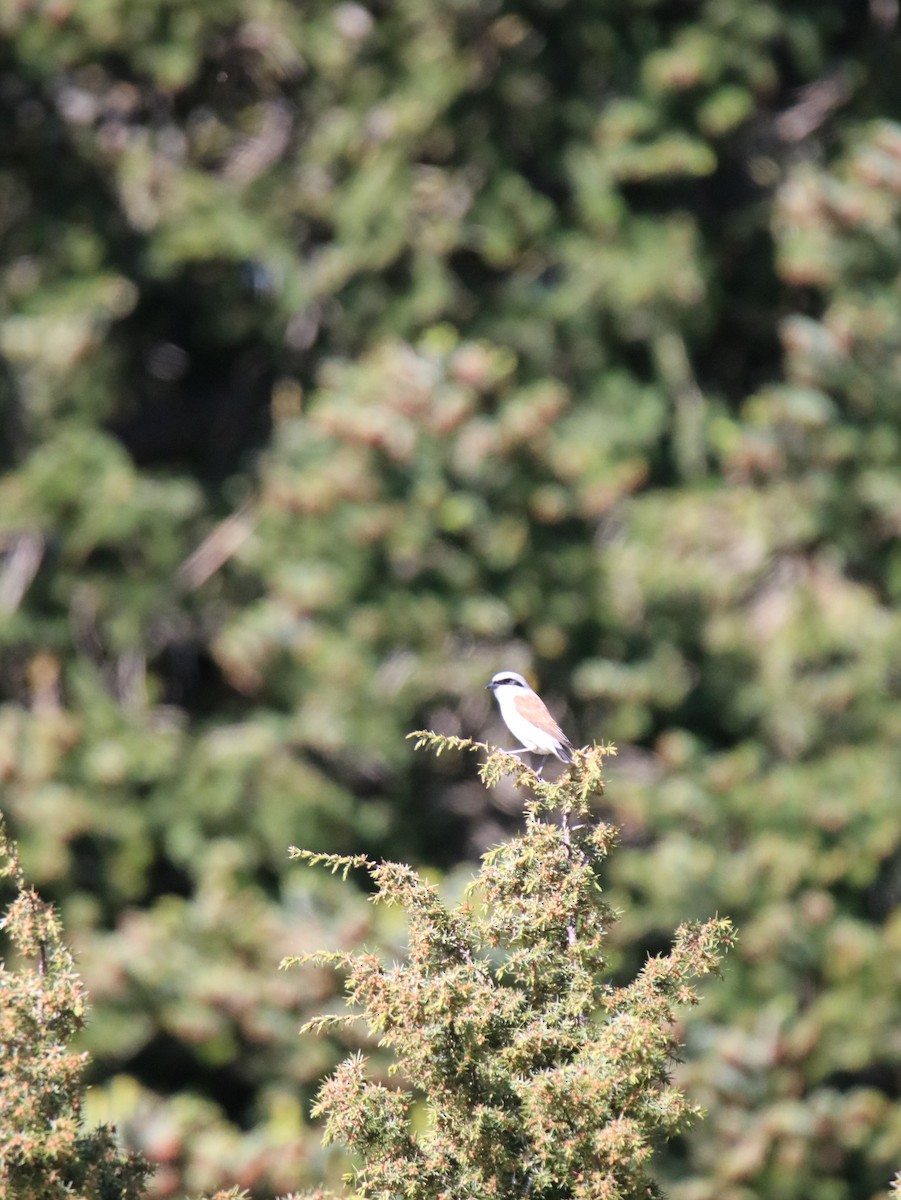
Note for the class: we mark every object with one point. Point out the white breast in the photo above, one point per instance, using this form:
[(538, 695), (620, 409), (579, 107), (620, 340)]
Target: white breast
[(528, 734)]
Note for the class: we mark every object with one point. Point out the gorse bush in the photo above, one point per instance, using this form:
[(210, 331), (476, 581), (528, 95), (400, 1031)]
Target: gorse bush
[(541, 1078), (45, 1151)]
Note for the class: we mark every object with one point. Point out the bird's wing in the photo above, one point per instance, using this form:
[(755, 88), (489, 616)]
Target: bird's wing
[(532, 708)]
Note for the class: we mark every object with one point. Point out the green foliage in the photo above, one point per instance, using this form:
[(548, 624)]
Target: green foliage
[(540, 1077), (785, 583), (46, 1153), (349, 353)]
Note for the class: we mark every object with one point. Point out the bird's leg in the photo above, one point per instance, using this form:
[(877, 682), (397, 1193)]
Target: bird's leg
[(521, 750), (542, 759)]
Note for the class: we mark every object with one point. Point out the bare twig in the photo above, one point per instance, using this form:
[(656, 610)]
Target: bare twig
[(216, 549), (571, 932), (815, 105), (21, 566)]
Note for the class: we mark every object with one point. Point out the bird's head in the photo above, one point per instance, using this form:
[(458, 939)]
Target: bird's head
[(507, 679)]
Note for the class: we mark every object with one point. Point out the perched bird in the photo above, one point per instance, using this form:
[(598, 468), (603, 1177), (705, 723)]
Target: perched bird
[(527, 717)]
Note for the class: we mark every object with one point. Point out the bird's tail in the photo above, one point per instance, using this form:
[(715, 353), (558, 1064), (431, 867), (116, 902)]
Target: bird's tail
[(564, 751)]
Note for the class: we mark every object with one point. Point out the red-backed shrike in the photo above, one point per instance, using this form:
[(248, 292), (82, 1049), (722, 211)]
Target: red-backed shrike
[(527, 717)]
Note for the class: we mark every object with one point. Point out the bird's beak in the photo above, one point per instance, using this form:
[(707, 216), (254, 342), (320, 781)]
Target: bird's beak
[(489, 687)]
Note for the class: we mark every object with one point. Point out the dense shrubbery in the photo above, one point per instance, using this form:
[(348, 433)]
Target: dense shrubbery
[(350, 354)]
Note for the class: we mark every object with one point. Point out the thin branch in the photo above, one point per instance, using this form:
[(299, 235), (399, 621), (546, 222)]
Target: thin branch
[(21, 566), (571, 931), (216, 549), (816, 104)]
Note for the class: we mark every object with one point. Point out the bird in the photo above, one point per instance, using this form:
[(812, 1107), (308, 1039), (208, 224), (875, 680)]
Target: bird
[(526, 716)]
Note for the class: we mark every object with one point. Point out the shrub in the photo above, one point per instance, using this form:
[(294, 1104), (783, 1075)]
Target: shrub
[(540, 1077), (45, 1151)]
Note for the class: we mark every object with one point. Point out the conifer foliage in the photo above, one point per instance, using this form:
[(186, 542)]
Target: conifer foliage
[(540, 1076), (45, 1152)]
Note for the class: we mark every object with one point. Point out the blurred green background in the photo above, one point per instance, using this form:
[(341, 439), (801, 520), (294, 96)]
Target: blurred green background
[(351, 353)]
